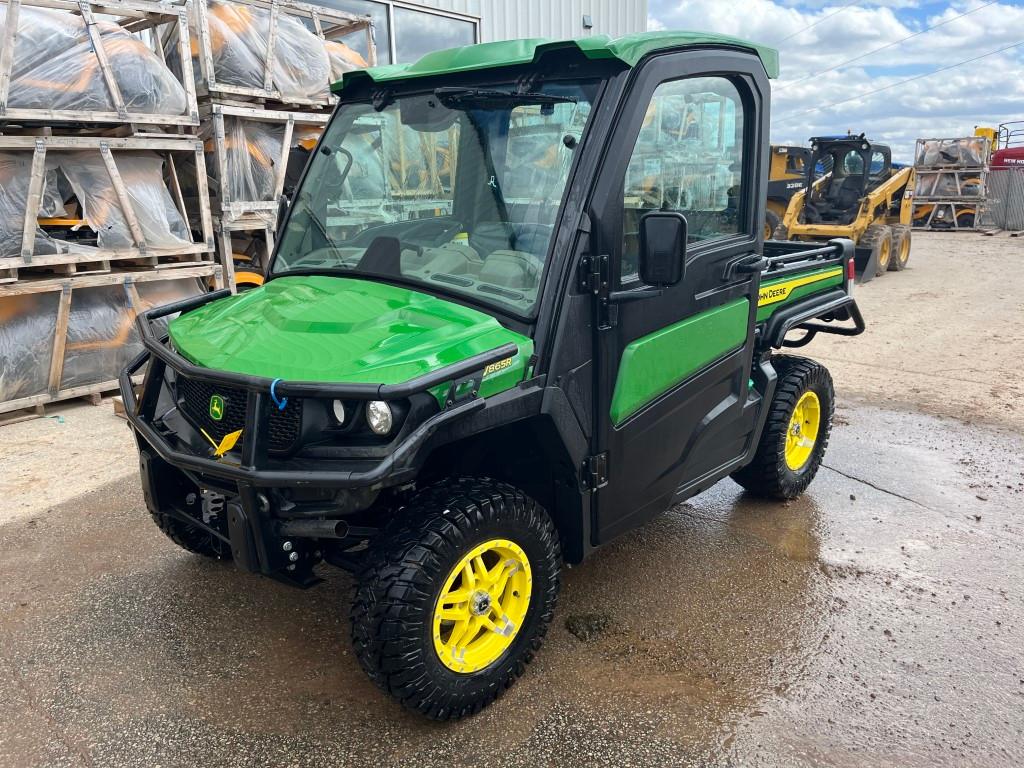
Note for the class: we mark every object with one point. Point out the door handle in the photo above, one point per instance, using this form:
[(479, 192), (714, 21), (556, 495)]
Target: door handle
[(637, 294), (744, 265)]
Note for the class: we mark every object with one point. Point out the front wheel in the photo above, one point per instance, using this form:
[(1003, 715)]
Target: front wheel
[(796, 431), (192, 538), (456, 597), (878, 238), (900, 248)]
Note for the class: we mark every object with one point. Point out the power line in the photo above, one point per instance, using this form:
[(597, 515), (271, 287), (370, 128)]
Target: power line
[(884, 47), (901, 82), (823, 18)]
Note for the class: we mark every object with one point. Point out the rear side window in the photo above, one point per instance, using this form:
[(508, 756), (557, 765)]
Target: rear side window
[(687, 158)]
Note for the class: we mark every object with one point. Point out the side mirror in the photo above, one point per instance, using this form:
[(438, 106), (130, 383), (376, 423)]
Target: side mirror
[(662, 247)]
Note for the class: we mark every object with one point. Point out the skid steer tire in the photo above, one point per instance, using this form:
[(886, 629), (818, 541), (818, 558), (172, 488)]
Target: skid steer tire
[(191, 538), (804, 398), (772, 222), (900, 248), (414, 634), (878, 237)]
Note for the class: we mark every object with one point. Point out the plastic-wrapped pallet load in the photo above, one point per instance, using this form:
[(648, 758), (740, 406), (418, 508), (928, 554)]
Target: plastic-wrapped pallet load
[(100, 337), (142, 172), (343, 59), (27, 327), (253, 152), (239, 38), (160, 222), (966, 152), (56, 68), (15, 175)]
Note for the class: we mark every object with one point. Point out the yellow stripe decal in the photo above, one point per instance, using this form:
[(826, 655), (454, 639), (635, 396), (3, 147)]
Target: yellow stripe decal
[(773, 294)]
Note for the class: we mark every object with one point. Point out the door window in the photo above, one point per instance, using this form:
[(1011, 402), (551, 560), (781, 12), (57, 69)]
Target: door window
[(687, 158)]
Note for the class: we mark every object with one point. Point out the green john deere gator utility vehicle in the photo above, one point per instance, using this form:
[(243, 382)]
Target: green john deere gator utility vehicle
[(520, 303)]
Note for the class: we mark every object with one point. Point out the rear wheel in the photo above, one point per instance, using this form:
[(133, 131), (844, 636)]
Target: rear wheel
[(456, 597), (900, 248), (771, 224), (878, 237), (796, 432)]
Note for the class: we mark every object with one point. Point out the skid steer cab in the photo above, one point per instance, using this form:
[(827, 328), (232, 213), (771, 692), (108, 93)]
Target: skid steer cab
[(852, 190), (520, 303)]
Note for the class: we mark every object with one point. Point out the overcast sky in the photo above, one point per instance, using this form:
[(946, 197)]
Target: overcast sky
[(951, 103)]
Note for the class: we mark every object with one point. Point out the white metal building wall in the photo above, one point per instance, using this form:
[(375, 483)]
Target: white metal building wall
[(510, 19)]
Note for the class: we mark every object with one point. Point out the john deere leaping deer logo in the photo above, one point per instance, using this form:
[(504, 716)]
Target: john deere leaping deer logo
[(216, 407)]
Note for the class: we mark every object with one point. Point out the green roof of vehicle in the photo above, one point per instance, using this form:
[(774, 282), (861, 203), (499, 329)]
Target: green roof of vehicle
[(628, 49)]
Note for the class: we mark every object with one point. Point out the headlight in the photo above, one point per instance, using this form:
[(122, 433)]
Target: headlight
[(338, 409), (378, 415)]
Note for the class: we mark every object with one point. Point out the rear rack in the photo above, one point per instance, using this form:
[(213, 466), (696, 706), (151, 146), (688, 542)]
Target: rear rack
[(784, 256)]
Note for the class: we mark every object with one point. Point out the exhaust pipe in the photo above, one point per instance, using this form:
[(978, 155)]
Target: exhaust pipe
[(314, 529)]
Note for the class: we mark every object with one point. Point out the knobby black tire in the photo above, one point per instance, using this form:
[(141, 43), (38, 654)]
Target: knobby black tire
[(768, 474), (874, 236), (402, 577), (772, 222), (900, 234), (191, 538)]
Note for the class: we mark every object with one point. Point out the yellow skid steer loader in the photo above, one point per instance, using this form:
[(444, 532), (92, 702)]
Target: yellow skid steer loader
[(860, 197)]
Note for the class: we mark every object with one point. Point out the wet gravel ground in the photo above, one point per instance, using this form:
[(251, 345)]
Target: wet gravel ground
[(879, 620)]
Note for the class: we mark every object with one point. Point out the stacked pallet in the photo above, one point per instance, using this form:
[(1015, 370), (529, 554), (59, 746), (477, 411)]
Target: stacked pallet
[(264, 71), (950, 182), (96, 123)]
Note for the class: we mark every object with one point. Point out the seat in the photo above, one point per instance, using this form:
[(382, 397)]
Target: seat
[(840, 202)]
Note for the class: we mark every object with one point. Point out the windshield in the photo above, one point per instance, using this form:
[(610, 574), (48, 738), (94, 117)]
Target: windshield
[(456, 190)]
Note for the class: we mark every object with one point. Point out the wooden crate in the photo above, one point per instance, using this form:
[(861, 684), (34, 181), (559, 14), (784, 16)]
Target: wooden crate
[(947, 215), (950, 184), (216, 118), (156, 23), (196, 213), (231, 233), (58, 349), (961, 152), (326, 23)]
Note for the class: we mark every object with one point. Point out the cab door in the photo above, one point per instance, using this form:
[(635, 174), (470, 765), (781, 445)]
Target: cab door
[(675, 409)]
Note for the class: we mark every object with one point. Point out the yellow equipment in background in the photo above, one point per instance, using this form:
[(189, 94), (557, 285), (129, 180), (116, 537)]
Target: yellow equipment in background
[(861, 197), (787, 170)]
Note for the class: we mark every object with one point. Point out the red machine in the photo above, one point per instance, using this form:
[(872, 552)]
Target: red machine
[(1009, 149)]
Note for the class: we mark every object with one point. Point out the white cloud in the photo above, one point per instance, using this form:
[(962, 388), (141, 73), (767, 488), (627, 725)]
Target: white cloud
[(950, 103)]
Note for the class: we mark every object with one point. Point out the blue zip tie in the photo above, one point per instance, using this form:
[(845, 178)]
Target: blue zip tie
[(279, 403)]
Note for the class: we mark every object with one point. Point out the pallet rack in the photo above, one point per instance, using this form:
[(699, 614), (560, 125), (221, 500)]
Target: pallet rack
[(951, 183), (102, 259), (167, 20), (77, 358), (216, 119), (326, 23), (234, 213)]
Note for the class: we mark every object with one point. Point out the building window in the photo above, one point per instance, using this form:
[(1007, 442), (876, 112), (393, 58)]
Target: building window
[(381, 28), (418, 33)]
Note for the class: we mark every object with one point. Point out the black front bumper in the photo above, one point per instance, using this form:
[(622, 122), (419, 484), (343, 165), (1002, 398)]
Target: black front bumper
[(173, 468)]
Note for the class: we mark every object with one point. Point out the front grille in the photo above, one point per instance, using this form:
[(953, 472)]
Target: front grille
[(194, 395)]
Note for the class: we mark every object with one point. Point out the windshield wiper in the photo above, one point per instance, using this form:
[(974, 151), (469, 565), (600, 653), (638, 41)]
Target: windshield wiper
[(484, 95)]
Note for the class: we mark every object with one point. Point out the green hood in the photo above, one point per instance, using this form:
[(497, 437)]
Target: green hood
[(342, 330)]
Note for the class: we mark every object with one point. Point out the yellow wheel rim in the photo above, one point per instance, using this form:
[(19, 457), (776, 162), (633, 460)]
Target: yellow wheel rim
[(803, 431), (905, 250), (482, 606), (768, 231), (883, 254)]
